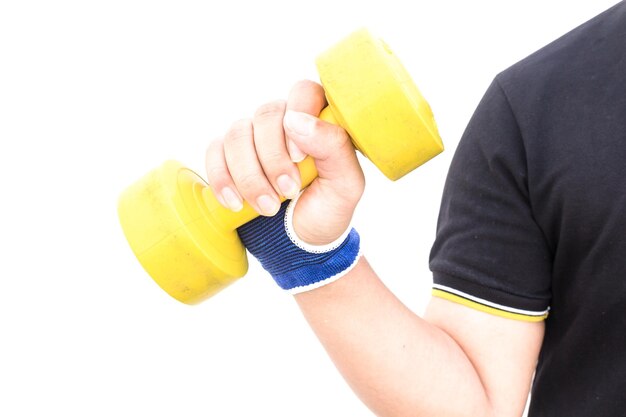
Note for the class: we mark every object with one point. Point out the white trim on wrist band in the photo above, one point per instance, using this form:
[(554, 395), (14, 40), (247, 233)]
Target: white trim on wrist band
[(293, 236)]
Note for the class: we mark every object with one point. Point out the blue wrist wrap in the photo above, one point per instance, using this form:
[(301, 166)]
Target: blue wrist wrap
[(295, 265)]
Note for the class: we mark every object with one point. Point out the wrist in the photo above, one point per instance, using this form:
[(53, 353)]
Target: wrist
[(297, 265)]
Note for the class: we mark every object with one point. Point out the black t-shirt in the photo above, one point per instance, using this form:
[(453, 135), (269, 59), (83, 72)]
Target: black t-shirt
[(533, 215)]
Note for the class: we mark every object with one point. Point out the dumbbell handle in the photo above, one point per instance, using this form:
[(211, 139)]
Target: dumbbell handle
[(230, 220)]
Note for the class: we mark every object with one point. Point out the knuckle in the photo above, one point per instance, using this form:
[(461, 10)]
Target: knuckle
[(272, 110), (273, 160), (215, 148), (239, 130), (216, 174), (341, 139), (337, 143), (215, 170), (307, 94), (250, 183), (307, 85)]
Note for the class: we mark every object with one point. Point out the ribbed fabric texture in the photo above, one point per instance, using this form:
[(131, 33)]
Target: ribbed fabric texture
[(290, 266)]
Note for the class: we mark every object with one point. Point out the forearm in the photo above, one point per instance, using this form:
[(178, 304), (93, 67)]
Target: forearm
[(396, 362)]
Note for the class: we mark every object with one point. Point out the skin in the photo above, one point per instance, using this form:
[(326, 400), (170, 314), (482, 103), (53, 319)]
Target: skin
[(453, 361)]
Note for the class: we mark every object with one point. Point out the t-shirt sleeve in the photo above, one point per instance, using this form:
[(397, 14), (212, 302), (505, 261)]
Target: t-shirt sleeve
[(489, 252)]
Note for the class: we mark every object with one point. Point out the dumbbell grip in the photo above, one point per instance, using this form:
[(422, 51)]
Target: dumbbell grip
[(230, 220)]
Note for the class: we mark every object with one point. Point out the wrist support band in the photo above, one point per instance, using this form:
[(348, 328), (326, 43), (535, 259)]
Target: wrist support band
[(295, 265)]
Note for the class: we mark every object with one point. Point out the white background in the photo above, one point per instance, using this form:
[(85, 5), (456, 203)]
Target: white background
[(95, 94)]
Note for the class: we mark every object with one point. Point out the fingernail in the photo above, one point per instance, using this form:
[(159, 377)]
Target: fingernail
[(299, 123), (294, 152), (287, 186), (268, 205), (231, 199)]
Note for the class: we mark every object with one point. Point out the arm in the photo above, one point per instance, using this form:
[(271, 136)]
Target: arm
[(455, 362)]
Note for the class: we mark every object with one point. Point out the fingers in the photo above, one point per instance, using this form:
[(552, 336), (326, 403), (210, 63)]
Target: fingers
[(269, 140), (254, 161), (219, 178), (307, 97), (246, 170), (235, 174), (251, 163)]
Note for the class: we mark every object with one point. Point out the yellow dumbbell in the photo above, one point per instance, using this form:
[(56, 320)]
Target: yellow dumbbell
[(188, 242)]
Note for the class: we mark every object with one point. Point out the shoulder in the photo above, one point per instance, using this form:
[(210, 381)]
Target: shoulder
[(580, 59)]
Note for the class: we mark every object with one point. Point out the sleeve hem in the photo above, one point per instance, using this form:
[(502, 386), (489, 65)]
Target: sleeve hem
[(489, 300), (496, 311)]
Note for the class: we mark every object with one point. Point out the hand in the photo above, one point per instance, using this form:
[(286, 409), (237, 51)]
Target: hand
[(255, 162)]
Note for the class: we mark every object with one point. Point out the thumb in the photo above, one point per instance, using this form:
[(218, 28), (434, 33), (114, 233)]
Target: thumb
[(325, 209), (332, 150)]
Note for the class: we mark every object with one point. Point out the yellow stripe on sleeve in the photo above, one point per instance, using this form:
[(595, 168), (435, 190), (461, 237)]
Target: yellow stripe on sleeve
[(488, 309)]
